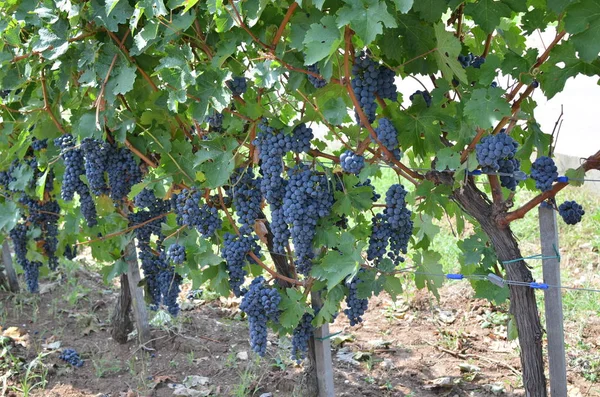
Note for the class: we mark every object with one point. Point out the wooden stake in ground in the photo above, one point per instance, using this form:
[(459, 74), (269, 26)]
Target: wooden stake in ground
[(13, 283), (121, 323), (322, 352), (553, 302), (137, 296)]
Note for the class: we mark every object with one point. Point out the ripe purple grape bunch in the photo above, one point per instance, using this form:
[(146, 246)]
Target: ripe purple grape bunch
[(237, 85), (351, 162), (72, 357), (544, 172), (317, 82), (571, 212), (176, 253)]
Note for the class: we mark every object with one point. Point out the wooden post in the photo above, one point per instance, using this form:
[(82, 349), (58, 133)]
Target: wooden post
[(8, 266), (323, 353), (137, 296), (553, 303)]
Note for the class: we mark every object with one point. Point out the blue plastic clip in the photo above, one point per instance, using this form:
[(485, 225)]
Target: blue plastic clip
[(455, 276), (562, 179), (476, 172), (538, 285)]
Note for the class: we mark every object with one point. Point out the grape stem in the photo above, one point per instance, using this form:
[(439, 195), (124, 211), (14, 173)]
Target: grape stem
[(47, 104), (286, 19), (486, 48), (121, 232)]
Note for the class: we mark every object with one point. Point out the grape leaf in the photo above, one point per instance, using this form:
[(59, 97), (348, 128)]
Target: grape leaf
[(487, 106), (336, 265), (431, 10), (428, 268), (487, 13), (120, 11), (122, 80), (321, 40), (582, 20), (330, 307), (575, 176), (9, 216), (446, 54), (293, 306), (562, 65), (366, 18), (404, 6)]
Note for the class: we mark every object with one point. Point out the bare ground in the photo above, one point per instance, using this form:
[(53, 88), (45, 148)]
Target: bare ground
[(416, 346)]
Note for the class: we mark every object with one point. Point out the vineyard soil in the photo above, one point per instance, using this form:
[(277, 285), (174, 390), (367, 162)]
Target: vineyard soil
[(415, 346)]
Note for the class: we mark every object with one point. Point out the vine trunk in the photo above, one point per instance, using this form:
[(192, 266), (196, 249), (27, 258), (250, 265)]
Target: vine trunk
[(522, 299)]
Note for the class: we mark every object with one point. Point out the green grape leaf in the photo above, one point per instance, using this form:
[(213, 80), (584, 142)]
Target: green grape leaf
[(404, 6), (336, 265), (366, 18), (487, 13), (116, 269), (321, 40), (22, 174), (9, 216), (215, 159), (330, 307), (559, 6), (447, 159), (293, 306), (428, 268), (446, 54), (431, 10), (120, 11), (582, 21), (122, 80), (392, 286), (487, 106), (575, 176)]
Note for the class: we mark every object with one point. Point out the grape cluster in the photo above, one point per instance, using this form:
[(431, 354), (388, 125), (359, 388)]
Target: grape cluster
[(492, 148), (356, 307), (215, 121), (72, 183), (317, 82), (235, 252), (571, 212), (96, 161), (471, 60), (71, 357), (308, 197), (74, 166), (425, 94), (176, 253), (237, 85), (388, 136), (189, 212), (169, 282), (45, 216), (32, 274), (260, 303), (386, 87), (246, 196), (39, 144), (152, 265), (351, 162), (144, 199), (123, 172), (365, 78), (511, 167), (70, 251), (301, 137), (544, 172), (394, 228), (300, 337)]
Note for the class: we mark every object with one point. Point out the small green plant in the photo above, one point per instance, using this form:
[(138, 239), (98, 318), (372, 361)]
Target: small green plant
[(33, 379), (104, 367)]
